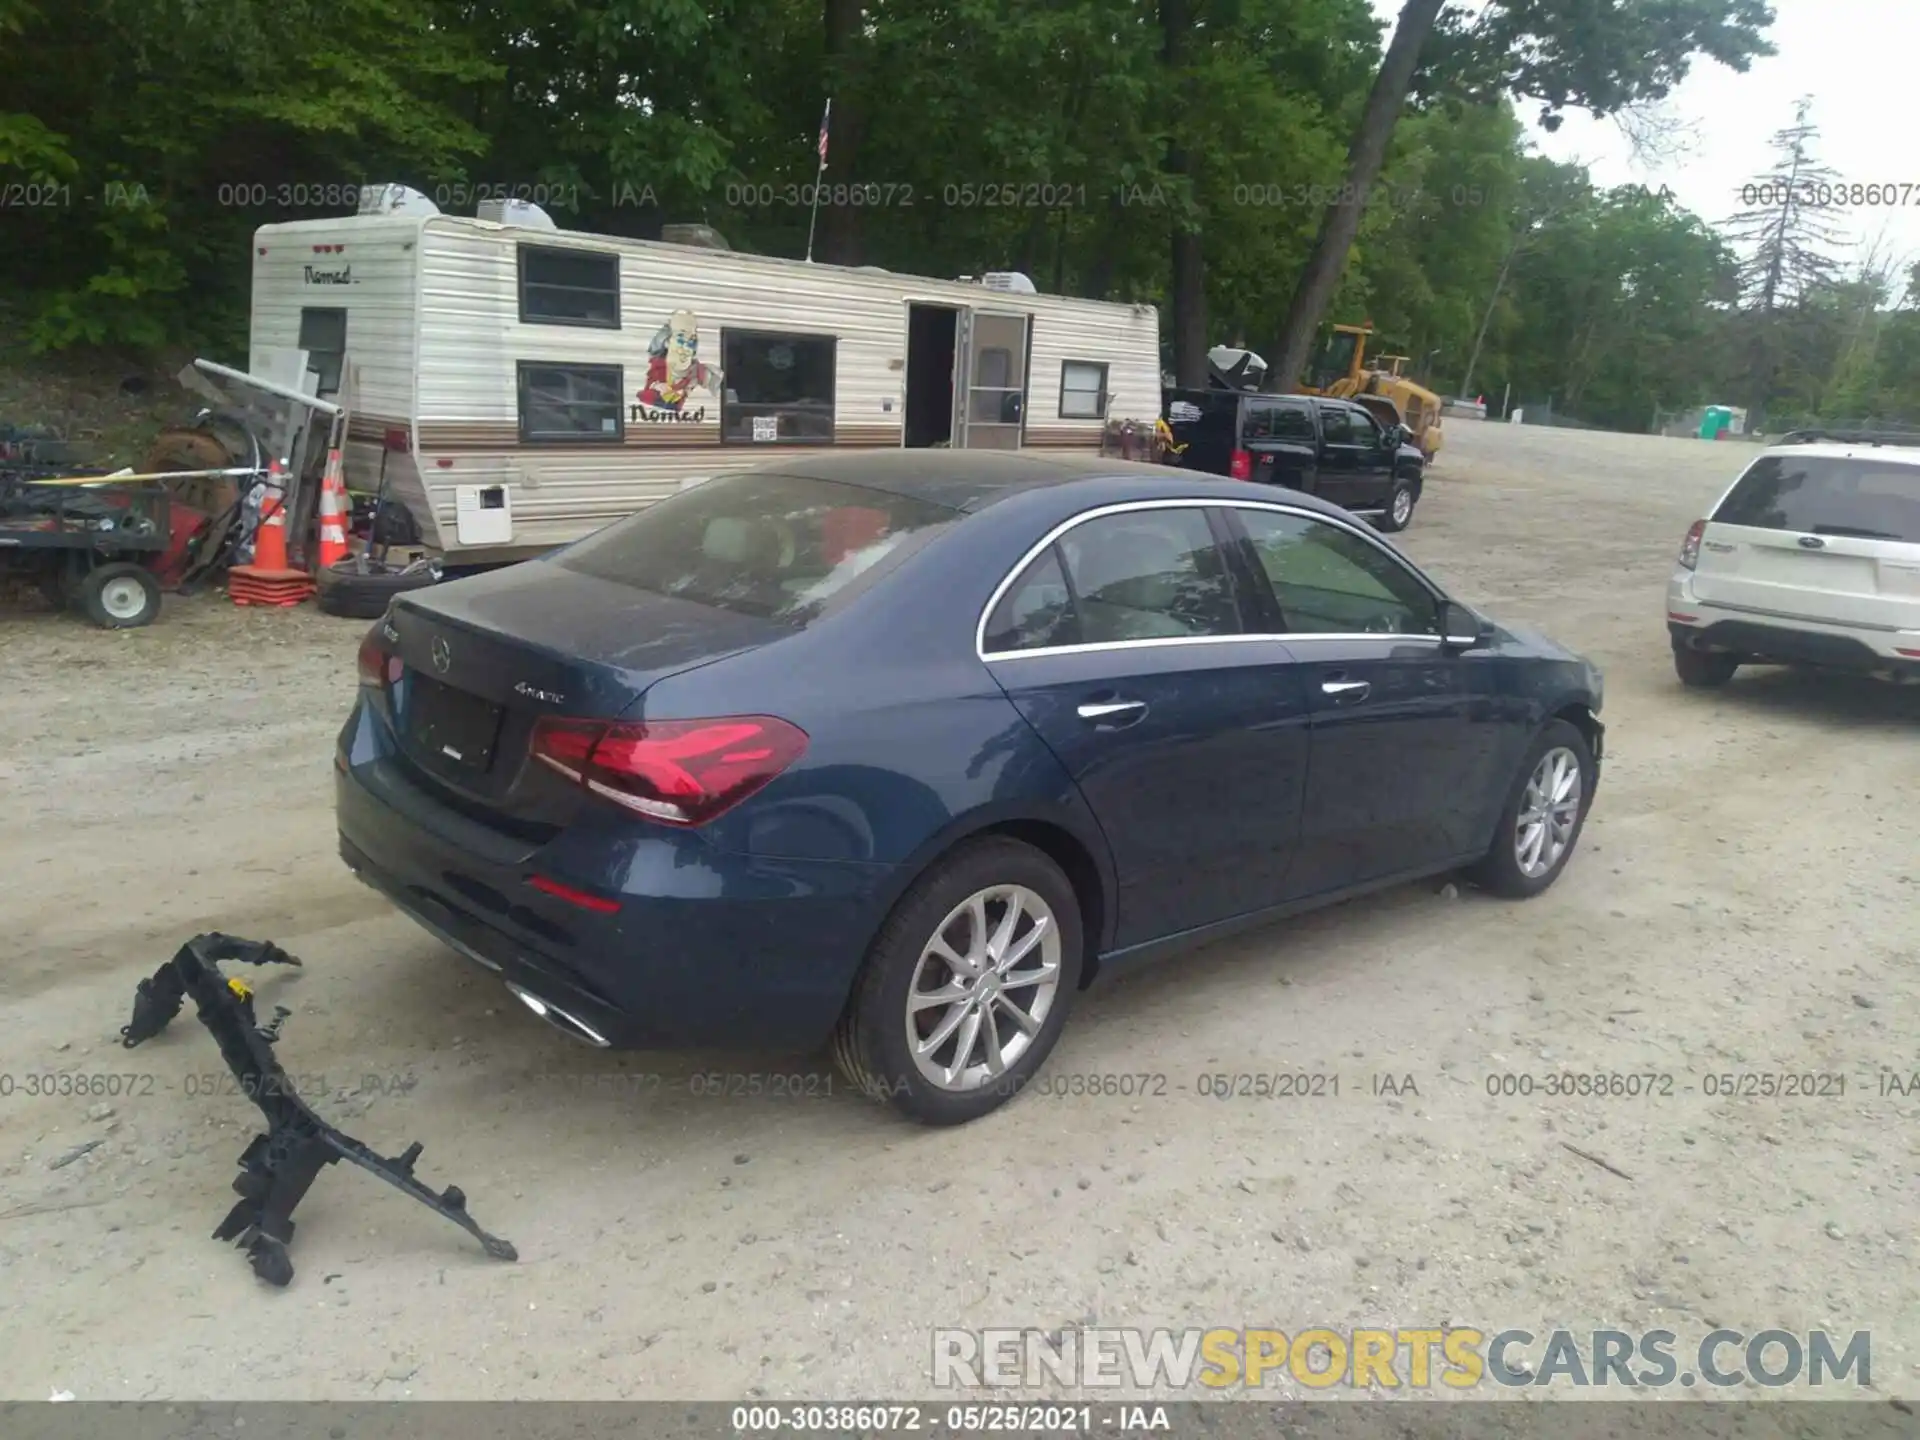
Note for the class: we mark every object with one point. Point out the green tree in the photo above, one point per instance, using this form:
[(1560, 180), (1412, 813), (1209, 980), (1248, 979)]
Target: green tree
[(1597, 55), (171, 117)]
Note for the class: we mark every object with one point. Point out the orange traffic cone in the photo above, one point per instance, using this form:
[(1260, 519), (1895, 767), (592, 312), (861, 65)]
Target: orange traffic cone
[(269, 580), (333, 513)]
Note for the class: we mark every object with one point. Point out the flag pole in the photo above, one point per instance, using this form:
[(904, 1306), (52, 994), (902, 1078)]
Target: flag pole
[(814, 218)]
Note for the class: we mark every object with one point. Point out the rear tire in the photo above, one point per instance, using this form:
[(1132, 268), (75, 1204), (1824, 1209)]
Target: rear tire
[(1537, 799), (120, 596), (1703, 669), (996, 1009)]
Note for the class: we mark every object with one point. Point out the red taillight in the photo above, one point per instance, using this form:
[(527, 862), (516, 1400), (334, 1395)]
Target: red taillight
[(1690, 547), (1242, 466), (679, 772), (376, 666), (372, 659), (399, 440)]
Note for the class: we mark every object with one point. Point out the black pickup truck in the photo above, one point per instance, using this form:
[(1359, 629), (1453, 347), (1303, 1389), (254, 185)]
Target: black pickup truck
[(1331, 448)]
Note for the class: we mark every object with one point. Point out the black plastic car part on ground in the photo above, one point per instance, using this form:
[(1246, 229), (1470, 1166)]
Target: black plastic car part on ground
[(277, 1167)]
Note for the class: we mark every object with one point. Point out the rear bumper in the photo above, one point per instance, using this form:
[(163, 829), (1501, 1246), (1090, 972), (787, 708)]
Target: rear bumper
[(1786, 639), (707, 949)]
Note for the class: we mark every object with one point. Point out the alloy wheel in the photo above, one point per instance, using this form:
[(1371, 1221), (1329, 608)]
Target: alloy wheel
[(982, 987), (1549, 810), (1402, 506)]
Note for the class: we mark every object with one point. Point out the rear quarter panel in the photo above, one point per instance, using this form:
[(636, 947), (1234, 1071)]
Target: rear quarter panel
[(912, 744)]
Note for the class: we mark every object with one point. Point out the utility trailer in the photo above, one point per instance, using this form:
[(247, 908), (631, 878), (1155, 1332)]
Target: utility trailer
[(517, 386), (89, 544)]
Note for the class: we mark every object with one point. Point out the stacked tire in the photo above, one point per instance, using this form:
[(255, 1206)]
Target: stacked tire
[(362, 589)]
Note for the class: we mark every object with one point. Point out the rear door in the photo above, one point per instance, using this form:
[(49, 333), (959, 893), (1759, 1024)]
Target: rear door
[(1279, 435), (1832, 538), (1126, 647)]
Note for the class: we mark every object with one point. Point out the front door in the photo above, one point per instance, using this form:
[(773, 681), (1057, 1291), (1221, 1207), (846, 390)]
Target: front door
[(1373, 463), (1189, 746), (990, 380), (1397, 746), (927, 408)]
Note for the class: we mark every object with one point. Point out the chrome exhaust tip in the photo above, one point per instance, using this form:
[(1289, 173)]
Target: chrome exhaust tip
[(561, 1020)]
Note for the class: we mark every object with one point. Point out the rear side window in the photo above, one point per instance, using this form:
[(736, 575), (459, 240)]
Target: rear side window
[(1276, 420), (1827, 495), (774, 546), (1037, 611), (1138, 575)]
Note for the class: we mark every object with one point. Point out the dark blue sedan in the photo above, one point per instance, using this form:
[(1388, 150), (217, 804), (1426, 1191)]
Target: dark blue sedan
[(903, 750)]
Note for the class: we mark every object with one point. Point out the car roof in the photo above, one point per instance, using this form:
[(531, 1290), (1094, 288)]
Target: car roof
[(1217, 392), (970, 480), (1841, 450)]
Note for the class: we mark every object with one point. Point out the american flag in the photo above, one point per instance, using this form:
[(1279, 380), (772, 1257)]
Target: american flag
[(825, 115)]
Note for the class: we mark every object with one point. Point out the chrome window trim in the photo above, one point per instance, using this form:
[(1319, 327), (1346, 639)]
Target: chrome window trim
[(1124, 507)]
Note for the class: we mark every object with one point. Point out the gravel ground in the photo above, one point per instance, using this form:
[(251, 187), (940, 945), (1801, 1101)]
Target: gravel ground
[(1743, 901)]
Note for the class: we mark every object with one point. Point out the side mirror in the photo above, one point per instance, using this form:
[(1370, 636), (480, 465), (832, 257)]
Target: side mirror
[(1392, 437), (1460, 628)]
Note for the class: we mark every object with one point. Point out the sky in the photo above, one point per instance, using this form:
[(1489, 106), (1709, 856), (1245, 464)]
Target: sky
[(1854, 58)]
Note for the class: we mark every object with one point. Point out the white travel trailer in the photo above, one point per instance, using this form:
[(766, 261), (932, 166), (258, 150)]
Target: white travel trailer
[(519, 386)]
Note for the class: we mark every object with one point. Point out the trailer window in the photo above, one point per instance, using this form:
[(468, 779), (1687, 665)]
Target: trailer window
[(323, 335), (570, 402), (1083, 390), (569, 287), (776, 387)]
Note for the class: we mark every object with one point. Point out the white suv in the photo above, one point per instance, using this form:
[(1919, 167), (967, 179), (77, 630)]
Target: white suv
[(1812, 557)]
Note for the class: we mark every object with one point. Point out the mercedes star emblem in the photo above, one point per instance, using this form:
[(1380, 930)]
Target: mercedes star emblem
[(442, 656)]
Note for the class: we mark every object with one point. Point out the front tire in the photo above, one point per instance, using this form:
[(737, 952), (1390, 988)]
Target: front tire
[(967, 986), (1399, 512), (120, 596), (1545, 811), (1703, 669)]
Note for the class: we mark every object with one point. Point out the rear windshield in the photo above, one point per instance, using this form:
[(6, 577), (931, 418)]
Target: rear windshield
[(1825, 495), (775, 546)]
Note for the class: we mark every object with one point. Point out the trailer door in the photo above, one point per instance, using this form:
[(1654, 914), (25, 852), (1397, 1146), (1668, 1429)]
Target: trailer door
[(990, 382)]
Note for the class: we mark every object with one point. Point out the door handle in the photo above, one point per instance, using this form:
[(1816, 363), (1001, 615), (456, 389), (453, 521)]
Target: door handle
[(1098, 710), (1345, 689)]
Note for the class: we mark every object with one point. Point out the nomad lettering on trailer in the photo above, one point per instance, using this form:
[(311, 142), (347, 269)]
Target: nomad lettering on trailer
[(317, 276), (674, 371)]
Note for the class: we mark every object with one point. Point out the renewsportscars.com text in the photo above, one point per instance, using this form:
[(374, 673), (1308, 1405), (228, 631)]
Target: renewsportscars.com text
[(1455, 1357)]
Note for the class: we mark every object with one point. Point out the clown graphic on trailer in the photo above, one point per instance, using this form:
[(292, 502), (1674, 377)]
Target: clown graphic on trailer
[(674, 369)]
